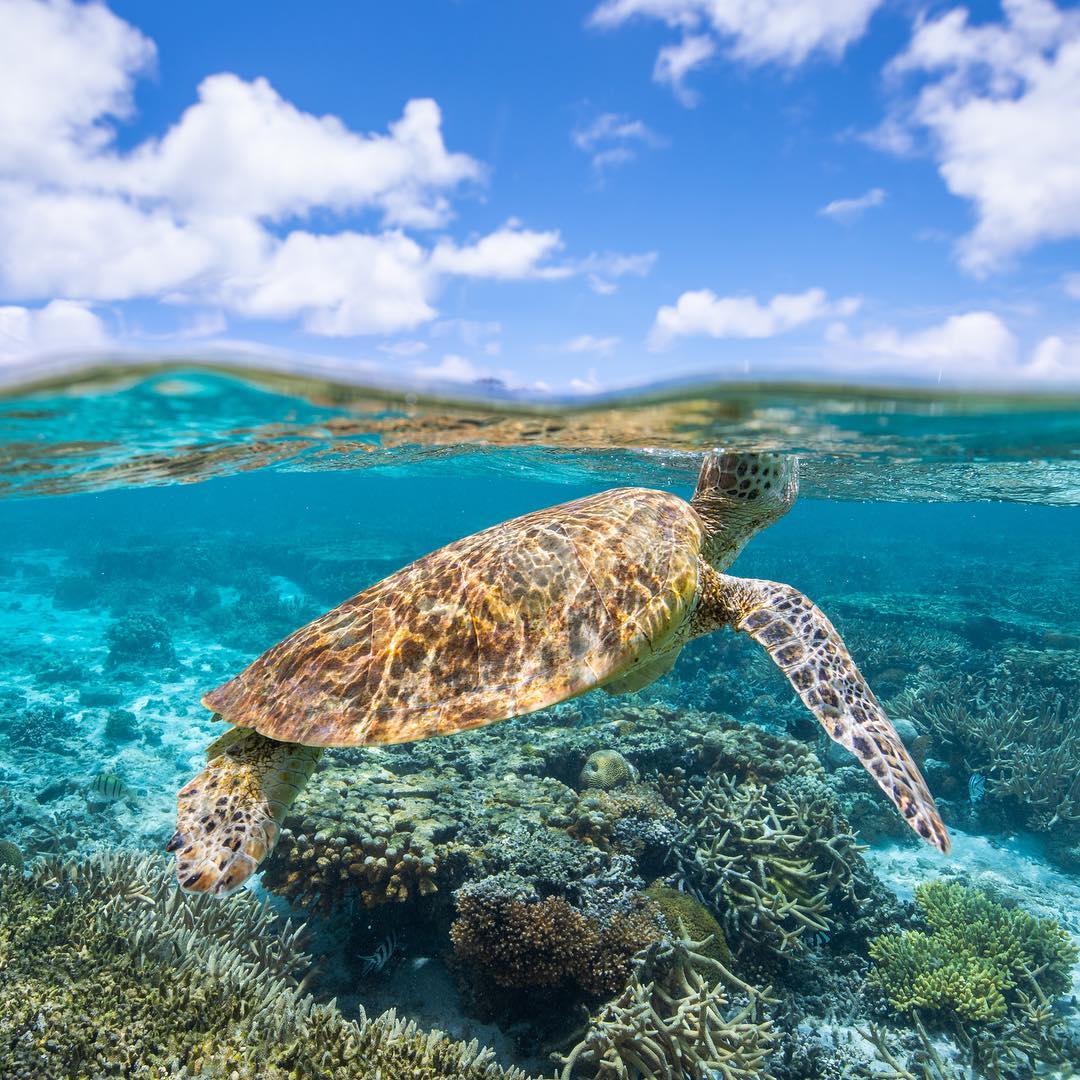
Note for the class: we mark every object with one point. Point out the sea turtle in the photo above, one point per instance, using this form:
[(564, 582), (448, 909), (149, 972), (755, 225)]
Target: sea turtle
[(601, 592)]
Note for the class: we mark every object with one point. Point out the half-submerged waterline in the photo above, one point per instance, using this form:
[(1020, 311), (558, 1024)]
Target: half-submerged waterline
[(684, 880)]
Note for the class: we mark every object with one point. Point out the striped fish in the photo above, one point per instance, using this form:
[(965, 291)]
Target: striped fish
[(373, 964), (109, 788), (976, 787)]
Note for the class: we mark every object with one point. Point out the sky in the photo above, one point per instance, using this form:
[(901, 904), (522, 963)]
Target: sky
[(564, 196)]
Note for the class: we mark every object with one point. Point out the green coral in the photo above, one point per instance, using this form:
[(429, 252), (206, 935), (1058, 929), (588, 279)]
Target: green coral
[(159, 983), (987, 972), (10, 855), (689, 918), (979, 961)]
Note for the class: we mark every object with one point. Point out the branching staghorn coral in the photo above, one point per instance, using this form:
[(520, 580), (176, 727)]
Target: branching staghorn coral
[(671, 1022), (158, 983), (1028, 748), (985, 972), (758, 856)]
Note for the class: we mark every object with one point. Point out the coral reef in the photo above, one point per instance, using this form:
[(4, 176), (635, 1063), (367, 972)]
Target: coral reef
[(688, 918), (606, 769), (988, 972), (11, 855), (369, 834), (181, 986), (670, 1022), (1025, 742), (517, 939), (120, 726), (40, 726), (773, 865), (633, 820), (140, 639), (978, 959)]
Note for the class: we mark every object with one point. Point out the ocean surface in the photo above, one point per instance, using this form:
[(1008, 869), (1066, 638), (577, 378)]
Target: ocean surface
[(159, 529)]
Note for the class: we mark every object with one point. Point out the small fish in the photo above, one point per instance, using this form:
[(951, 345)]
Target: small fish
[(109, 788), (373, 964), (817, 939), (976, 787)]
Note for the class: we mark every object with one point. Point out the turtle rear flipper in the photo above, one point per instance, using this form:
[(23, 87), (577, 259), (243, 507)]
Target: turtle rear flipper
[(808, 650), (230, 815)]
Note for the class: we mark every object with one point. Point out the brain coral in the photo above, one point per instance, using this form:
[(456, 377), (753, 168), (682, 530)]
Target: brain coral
[(158, 983), (606, 769), (10, 855)]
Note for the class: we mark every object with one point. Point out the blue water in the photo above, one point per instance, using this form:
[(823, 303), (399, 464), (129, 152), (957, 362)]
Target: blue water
[(159, 533)]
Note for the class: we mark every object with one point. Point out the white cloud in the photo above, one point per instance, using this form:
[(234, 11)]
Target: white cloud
[(998, 101), (203, 324), (612, 140), (675, 62), (473, 332), (242, 149), (186, 218), (1056, 359), (403, 349), (782, 32), (973, 347), (65, 70), (452, 368), (343, 284), (61, 326), (602, 271), (848, 210), (508, 253), (587, 343), (703, 312), (589, 385), (1070, 283), (973, 344)]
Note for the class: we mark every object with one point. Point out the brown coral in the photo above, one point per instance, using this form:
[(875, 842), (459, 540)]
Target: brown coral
[(515, 939)]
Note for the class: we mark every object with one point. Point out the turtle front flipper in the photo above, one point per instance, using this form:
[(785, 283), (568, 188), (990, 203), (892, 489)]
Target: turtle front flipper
[(230, 815), (809, 651)]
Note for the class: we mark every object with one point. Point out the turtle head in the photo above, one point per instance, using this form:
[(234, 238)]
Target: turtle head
[(738, 495)]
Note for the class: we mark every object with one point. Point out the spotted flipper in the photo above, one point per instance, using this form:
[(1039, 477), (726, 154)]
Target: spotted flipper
[(808, 650), (230, 815)]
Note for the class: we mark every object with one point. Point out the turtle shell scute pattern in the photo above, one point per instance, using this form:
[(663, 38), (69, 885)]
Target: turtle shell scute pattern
[(512, 619)]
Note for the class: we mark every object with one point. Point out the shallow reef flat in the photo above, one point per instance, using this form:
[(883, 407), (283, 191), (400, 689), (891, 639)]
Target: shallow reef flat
[(691, 881)]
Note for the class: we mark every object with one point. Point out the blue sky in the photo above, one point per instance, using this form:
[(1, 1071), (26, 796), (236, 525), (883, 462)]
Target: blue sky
[(570, 196)]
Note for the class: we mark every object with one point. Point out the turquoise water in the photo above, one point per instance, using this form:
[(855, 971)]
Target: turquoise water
[(161, 531)]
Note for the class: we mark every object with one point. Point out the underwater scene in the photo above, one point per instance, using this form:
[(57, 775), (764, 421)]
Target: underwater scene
[(701, 843)]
